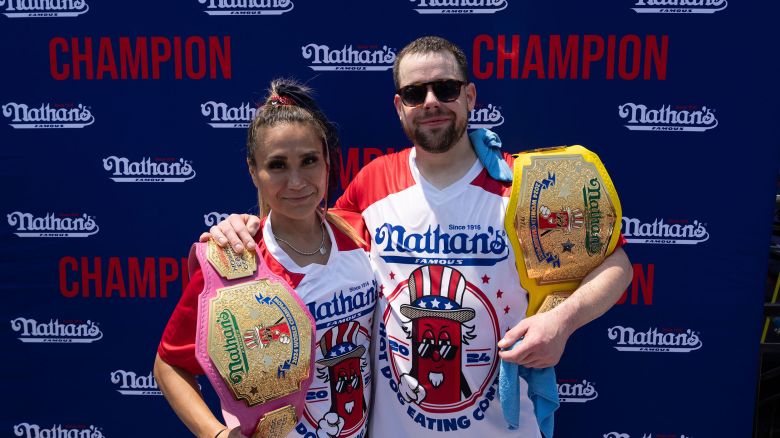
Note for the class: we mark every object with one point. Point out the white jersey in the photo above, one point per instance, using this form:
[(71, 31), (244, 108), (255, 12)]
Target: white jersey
[(449, 290), (341, 296)]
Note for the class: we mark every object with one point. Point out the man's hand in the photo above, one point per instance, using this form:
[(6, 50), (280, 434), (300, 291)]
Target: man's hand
[(237, 230), (544, 338)]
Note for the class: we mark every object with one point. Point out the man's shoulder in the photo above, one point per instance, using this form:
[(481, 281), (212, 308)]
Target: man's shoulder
[(382, 177)]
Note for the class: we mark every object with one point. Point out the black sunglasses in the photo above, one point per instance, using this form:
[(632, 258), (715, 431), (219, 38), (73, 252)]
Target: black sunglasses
[(446, 350), (445, 90)]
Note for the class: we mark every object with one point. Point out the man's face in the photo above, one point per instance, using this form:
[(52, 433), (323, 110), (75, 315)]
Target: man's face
[(433, 125)]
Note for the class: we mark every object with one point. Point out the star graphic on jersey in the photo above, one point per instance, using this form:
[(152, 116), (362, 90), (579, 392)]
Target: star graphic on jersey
[(485, 279), (392, 275), (499, 294), (448, 306), (382, 288), (567, 246), (435, 303), (506, 310)]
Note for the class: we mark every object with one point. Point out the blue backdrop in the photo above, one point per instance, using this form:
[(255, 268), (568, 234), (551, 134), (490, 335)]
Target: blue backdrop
[(123, 130)]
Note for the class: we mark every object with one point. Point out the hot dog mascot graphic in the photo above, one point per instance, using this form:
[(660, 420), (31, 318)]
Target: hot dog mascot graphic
[(342, 365), (437, 334)]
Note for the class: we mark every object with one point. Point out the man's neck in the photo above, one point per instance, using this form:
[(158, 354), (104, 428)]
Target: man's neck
[(441, 170)]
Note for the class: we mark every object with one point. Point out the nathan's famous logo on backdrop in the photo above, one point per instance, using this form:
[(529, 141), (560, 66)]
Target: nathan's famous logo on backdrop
[(131, 383), (654, 340), (553, 57), (43, 8), (214, 217), (576, 391), (459, 6), (121, 277), (349, 58), (694, 118), (644, 435), (152, 170), (27, 430), (679, 6), (485, 116), (660, 231), (53, 224), (48, 116), (222, 115), (55, 331), (247, 7), (191, 57), (465, 245)]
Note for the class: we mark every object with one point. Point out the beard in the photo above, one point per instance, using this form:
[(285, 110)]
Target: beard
[(439, 141)]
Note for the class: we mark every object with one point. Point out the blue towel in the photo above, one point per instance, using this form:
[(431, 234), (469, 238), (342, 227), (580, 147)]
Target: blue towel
[(542, 390), (487, 146)]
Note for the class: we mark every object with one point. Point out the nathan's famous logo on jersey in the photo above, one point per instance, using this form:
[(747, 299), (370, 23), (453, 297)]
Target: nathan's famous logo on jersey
[(487, 117), (214, 217), (464, 245), (692, 118), (342, 378), (149, 169), (53, 224), (670, 232), (55, 331), (43, 8), (643, 435), (131, 383), (247, 7), (27, 430), (679, 6), (349, 58), (355, 303), (654, 340), (459, 6), (221, 115), (48, 116), (576, 391), (424, 354)]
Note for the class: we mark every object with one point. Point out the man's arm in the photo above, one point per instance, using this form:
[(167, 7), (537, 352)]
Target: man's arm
[(545, 334)]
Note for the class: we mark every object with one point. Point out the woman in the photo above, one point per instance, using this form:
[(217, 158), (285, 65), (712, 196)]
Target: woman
[(292, 154)]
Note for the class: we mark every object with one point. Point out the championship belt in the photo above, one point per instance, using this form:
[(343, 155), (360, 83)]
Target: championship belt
[(255, 341), (563, 220)]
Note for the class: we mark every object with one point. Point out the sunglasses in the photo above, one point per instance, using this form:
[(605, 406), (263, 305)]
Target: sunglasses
[(445, 90), (446, 350)]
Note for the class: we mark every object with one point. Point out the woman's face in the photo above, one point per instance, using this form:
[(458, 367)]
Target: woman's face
[(290, 170)]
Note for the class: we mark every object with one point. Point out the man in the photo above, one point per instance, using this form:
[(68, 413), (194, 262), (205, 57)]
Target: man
[(450, 295)]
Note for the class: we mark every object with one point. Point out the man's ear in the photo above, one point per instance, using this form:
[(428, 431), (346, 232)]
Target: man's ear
[(471, 95), (399, 106)]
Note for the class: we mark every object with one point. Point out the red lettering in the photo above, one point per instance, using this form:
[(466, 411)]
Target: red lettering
[(115, 280), (657, 55), (370, 154), (533, 58), (641, 283), (95, 276), (350, 168), (56, 73), (487, 41), (106, 62), (177, 56), (72, 289), (161, 52), (165, 276), (629, 73), (591, 53), (611, 57), (200, 73), (133, 60), (218, 53), (560, 63), (79, 57), (140, 283), (513, 56)]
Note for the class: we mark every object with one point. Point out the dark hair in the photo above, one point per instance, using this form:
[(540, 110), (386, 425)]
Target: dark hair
[(432, 44), (291, 102)]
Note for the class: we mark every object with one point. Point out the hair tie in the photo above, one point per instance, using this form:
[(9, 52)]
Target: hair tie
[(281, 100)]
